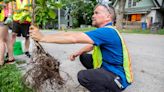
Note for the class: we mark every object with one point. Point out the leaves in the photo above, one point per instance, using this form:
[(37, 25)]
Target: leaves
[(10, 77), (6, 1), (1, 6), (80, 10), (45, 11), (52, 14)]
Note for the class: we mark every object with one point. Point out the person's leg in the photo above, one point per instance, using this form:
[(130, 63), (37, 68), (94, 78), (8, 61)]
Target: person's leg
[(2, 43), (86, 60), (15, 31), (27, 44), (2, 51), (7, 43), (10, 44), (25, 33), (98, 80)]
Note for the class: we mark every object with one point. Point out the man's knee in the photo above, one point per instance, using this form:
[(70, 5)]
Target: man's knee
[(84, 77), (80, 76)]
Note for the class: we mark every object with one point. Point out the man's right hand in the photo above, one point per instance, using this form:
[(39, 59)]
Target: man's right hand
[(74, 55), (35, 34)]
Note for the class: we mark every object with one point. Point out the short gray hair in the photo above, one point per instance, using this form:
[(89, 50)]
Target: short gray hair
[(110, 9)]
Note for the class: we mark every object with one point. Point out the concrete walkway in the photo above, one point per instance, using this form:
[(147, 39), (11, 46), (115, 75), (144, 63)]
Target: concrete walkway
[(147, 54)]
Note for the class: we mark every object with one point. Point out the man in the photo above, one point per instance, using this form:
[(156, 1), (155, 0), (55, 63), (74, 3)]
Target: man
[(21, 27), (108, 76)]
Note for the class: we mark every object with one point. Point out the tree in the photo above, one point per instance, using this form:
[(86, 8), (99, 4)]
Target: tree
[(80, 10), (44, 11), (120, 14)]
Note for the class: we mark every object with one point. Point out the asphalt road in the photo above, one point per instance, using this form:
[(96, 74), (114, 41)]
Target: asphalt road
[(147, 54)]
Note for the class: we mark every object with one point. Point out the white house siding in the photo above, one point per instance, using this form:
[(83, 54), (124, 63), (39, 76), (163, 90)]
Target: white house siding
[(148, 8), (142, 3), (160, 2), (64, 21), (151, 14)]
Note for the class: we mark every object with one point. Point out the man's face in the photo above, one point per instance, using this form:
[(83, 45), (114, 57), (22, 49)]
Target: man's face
[(100, 17)]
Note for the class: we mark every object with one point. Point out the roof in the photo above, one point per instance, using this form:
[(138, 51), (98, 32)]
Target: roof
[(140, 10)]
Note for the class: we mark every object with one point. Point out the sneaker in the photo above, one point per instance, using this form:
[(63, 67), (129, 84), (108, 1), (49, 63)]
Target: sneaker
[(27, 54), (7, 55), (10, 61)]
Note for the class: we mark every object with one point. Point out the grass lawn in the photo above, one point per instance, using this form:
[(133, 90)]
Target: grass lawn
[(11, 79), (140, 31)]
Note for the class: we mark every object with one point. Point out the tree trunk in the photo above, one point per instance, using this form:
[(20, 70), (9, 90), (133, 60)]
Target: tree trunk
[(120, 14), (33, 13)]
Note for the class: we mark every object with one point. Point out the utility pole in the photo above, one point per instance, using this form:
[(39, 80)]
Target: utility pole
[(58, 16)]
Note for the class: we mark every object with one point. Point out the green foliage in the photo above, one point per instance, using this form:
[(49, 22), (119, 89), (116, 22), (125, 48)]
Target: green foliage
[(6, 1), (136, 0), (80, 10), (10, 79), (45, 11), (160, 31), (1, 6), (81, 29), (138, 31)]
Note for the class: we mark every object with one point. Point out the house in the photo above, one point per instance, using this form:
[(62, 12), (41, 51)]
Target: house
[(139, 11), (136, 12), (66, 19)]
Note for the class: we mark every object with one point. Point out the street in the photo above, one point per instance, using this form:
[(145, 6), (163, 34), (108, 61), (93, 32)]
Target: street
[(147, 54)]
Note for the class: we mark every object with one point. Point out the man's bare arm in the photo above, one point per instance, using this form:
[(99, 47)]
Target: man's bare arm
[(67, 38), (60, 38), (85, 49)]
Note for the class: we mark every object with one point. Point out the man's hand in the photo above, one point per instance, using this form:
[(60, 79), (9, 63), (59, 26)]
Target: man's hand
[(74, 55), (35, 34)]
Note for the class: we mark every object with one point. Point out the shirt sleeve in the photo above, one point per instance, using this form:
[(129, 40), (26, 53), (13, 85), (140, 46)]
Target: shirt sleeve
[(100, 36)]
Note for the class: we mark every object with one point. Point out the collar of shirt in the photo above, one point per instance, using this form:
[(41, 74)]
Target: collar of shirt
[(109, 24)]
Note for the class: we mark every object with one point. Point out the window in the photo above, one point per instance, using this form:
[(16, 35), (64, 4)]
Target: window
[(129, 3), (134, 3)]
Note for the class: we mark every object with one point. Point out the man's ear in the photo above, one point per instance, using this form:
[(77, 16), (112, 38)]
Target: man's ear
[(109, 17)]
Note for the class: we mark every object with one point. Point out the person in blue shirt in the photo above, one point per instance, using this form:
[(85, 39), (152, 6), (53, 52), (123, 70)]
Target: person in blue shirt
[(110, 77)]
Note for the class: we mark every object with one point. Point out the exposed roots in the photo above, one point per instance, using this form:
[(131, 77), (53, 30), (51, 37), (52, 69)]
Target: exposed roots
[(45, 68)]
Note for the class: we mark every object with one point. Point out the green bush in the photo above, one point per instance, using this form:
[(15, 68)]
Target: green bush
[(161, 31), (10, 79)]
